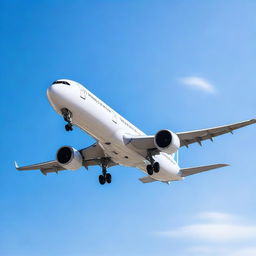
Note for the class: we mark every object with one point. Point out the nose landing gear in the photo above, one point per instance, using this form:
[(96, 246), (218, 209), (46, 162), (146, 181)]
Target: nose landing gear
[(68, 127), (67, 115)]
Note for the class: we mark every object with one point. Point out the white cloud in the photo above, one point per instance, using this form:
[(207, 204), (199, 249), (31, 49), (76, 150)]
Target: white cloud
[(207, 250), (198, 83), (222, 251), (214, 227), (218, 217), (214, 232), (250, 251)]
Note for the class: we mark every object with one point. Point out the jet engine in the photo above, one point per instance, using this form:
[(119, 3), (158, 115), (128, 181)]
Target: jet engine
[(167, 141), (69, 158)]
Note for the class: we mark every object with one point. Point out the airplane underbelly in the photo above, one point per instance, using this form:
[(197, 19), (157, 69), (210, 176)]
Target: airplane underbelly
[(92, 121), (122, 155)]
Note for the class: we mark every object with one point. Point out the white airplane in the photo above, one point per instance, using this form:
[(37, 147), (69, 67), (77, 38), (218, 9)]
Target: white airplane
[(118, 141)]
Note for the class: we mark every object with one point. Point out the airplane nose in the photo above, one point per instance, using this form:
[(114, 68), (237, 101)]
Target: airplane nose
[(53, 94), (60, 94)]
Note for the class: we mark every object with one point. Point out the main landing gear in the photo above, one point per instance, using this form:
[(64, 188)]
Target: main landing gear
[(105, 177), (67, 115), (153, 167)]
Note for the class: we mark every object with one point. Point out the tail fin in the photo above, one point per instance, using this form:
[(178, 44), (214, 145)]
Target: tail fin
[(176, 157), (194, 170)]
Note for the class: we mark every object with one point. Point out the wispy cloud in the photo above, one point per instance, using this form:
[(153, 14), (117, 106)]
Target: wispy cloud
[(216, 233), (217, 217), (249, 251), (222, 251), (214, 227), (198, 83)]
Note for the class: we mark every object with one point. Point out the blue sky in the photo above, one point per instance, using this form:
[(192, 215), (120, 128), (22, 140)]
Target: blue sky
[(180, 65)]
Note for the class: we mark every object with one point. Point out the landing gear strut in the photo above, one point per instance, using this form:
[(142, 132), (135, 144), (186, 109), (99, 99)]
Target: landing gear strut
[(153, 166), (105, 177), (67, 115)]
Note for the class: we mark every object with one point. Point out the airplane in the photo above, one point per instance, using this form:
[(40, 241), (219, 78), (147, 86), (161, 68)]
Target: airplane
[(119, 142)]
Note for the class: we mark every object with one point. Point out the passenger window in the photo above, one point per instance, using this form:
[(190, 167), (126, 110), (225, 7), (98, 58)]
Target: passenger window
[(83, 94), (114, 117)]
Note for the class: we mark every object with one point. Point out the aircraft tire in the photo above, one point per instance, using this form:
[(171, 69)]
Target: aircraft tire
[(150, 169), (102, 180), (108, 178), (156, 167), (68, 127)]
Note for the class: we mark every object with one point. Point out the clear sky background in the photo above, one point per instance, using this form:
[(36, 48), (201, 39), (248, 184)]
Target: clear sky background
[(181, 65)]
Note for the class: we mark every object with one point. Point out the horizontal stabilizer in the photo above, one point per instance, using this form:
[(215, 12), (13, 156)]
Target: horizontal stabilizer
[(147, 179), (194, 170)]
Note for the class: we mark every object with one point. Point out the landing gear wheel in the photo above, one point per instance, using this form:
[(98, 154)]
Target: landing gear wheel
[(108, 178), (105, 177), (102, 180), (68, 127), (156, 167), (150, 169)]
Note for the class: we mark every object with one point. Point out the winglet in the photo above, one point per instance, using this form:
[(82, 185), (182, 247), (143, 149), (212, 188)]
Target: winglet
[(16, 165)]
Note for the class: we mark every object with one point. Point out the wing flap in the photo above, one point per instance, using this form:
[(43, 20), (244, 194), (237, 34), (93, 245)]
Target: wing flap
[(194, 170)]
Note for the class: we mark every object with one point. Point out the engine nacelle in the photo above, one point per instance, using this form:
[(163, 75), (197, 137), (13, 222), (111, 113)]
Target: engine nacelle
[(69, 158), (167, 141)]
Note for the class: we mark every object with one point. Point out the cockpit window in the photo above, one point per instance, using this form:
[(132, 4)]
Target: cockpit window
[(61, 82)]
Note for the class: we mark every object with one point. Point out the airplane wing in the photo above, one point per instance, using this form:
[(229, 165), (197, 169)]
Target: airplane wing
[(194, 170), (145, 143), (198, 136), (92, 155), (45, 167)]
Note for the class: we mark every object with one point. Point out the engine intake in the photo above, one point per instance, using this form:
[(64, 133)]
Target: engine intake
[(69, 158), (167, 141)]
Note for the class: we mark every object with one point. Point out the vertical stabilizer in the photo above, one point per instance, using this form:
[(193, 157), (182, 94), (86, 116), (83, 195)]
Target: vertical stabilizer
[(176, 157)]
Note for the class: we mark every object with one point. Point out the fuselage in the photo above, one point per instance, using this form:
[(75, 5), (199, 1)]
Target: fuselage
[(108, 127)]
